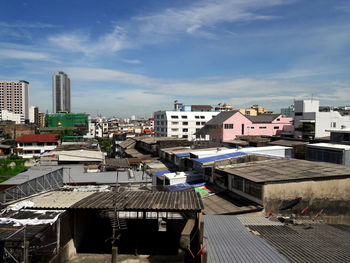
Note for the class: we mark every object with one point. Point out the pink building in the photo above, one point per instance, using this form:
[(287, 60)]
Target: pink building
[(228, 125)]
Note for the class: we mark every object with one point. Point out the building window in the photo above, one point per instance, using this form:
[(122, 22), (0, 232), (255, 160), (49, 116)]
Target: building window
[(185, 136), (185, 130), (203, 122), (276, 127), (298, 114), (197, 117), (228, 126), (184, 116), (185, 123), (174, 123), (174, 129), (202, 117), (333, 124), (198, 123), (262, 127), (278, 119), (174, 116)]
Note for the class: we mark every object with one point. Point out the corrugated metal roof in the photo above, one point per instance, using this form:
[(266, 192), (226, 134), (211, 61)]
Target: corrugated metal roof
[(221, 117), (257, 221), (229, 241), (38, 138), (219, 157), (303, 243), (143, 200), (59, 199), (263, 118)]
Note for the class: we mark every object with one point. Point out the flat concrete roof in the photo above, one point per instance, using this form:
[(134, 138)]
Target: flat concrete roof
[(75, 174), (284, 170)]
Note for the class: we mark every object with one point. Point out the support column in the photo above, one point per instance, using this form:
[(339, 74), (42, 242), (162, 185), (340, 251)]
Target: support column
[(114, 254)]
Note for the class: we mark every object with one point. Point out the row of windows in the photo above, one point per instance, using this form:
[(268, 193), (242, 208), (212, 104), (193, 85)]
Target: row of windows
[(230, 126)]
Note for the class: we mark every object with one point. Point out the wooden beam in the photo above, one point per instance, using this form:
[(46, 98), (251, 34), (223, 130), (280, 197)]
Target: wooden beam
[(185, 238)]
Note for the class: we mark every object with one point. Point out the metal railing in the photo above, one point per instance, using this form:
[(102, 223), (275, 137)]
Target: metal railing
[(50, 181)]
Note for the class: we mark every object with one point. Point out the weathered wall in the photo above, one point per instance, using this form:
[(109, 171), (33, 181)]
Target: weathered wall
[(333, 196), (17, 130)]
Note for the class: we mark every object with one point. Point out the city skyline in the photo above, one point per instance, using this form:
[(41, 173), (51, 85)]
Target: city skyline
[(126, 59)]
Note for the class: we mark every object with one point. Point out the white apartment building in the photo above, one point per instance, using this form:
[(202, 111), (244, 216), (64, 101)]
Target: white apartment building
[(30, 145), (310, 122), (180, 124), (10, 116), (14, 97)]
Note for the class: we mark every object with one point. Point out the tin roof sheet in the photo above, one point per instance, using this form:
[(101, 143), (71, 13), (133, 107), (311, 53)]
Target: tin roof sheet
[(58, 199), (143, 201), (229, 241)]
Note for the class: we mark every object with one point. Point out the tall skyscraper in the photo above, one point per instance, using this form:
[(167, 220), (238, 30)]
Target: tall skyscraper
[(14, 97), (60, 92)]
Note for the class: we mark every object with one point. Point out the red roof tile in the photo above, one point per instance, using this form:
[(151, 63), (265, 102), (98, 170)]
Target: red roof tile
[(38, 138)]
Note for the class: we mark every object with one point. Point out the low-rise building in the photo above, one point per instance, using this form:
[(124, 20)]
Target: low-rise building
[(228, 125), (31, 145)]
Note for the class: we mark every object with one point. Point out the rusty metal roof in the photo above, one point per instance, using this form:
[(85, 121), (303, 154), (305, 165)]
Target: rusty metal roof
[(143, 201)]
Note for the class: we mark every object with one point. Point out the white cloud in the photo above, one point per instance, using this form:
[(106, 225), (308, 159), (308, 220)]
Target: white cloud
[(203, 15), (132, 61), (82, 42), (25, 25), (21, 54)]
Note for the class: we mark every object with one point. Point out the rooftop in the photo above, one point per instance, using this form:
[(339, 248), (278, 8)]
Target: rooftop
[(229, 241), (330, 146), (221, 118), (280, 170), (263, 118), (38, 138), (143, 201)]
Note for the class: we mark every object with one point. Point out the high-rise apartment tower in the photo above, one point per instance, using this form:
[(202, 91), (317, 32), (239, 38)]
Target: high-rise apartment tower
[(14, 97), (61, 92)]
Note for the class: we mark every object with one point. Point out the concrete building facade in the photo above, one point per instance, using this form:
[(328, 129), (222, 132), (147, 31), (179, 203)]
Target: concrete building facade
[(14, 97), (61, 93), (310, 122), (181, 124)]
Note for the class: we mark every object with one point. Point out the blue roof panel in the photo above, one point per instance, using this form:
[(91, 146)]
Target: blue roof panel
[(182, 154), (219, 157)]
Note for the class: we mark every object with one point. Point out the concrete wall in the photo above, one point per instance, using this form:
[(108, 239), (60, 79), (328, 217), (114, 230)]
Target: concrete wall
[(333, 196)]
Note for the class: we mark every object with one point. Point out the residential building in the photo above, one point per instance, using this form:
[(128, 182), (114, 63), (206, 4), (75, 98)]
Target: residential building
[(30, 145), (181, 124), (10, 116), (61, 93), (34, 115), (255, 110), (223, 107), (312, 121), (41, 119), (14, 97), (228, 125), (273, 182)]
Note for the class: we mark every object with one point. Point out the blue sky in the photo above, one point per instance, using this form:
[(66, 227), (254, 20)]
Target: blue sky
[(136, 57)]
